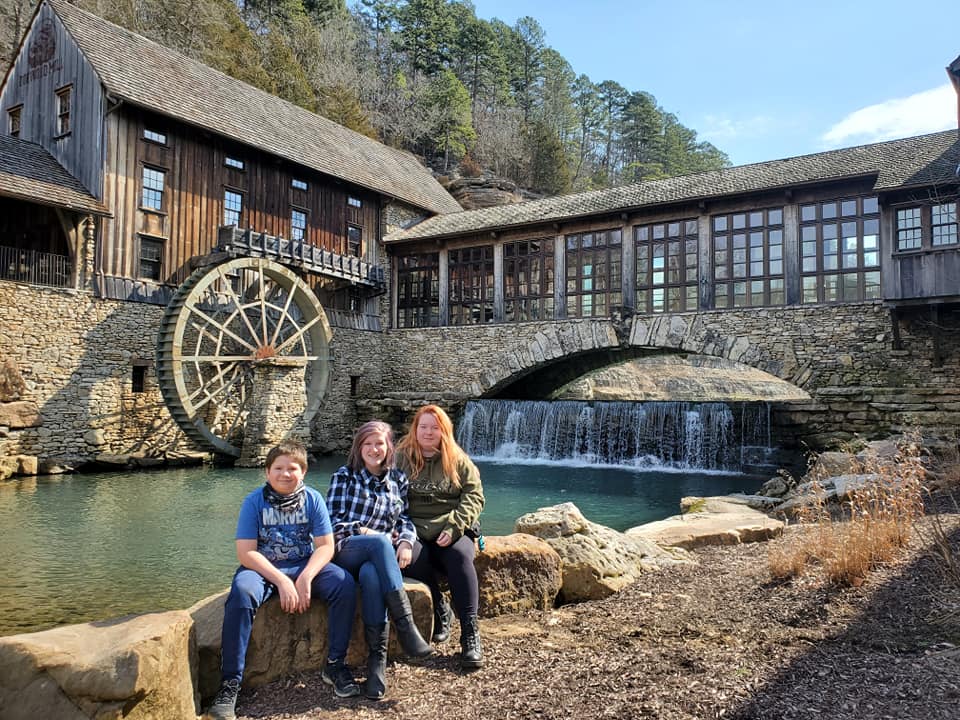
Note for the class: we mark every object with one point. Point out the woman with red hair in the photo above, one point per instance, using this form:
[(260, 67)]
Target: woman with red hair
[(445, 498)]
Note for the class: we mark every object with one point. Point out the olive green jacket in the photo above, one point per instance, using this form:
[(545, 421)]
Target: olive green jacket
[(436, 504)]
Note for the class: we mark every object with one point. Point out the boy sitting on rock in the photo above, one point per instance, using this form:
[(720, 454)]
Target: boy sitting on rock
[(284, 546)]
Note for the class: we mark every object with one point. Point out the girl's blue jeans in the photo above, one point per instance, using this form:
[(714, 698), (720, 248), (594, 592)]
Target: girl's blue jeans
[(372, 560)]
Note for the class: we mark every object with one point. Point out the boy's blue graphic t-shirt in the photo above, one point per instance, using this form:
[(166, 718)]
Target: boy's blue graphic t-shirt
[(284, 538)]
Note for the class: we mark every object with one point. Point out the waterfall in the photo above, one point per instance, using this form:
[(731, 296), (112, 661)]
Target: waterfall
[(682, 435)]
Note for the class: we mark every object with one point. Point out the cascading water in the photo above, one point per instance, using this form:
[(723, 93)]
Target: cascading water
[(706, 436)]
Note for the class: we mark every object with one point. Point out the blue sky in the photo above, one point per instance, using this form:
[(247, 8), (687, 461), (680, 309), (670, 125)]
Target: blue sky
[(766, 79)]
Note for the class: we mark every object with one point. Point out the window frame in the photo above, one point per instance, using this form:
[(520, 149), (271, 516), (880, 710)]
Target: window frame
[(582, 301), (470, 285), (354, 202), (298, 184), (922, 232), (144, 188), (529, 279), (15, 113), (354, 245), (154, 136), (657, 288), (734, 243), (416, 273), (239, 211), (234, 163), (64, 108), (151, 241)]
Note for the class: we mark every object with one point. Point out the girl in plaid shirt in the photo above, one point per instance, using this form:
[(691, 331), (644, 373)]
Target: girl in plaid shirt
[(374, 538)]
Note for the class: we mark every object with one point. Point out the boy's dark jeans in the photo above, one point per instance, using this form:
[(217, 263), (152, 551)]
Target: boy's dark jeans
[(249, 590)]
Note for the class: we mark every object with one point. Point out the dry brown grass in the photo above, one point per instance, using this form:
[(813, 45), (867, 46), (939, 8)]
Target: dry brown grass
[(844, 540)]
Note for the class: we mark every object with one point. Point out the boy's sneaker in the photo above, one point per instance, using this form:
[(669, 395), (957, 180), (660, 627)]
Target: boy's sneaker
[(339, 675), (225, 703)]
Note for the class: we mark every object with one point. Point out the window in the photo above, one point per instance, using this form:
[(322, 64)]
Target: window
[(154, 136), (471, 285), (840, 252), (528, 278), (232, 207), (299, 184), (298, 225), (138, 382), (153, 182), (233, 162), (748, 259), (151, 258), (354, 201), (667, 267), (63, 109), (418, 290), (354, 241), (14, 118), (927, 226), (593, 273)]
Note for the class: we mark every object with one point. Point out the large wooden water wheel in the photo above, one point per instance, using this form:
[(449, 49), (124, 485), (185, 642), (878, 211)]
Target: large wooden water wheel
[(222, 321)]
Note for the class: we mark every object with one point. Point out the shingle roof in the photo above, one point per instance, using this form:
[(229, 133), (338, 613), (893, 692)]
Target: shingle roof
[(144, 73), (921, 160), (29, 172)]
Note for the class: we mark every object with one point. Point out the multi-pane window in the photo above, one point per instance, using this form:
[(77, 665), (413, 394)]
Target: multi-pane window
[(418, 290), (232, 207), (927, 226), (471, 285), (666, 267), (354, 201), (63, 109), (593, 273), (748, 259), (840, 250), (14, 118), (943, 224), (298, 184), (151, 258), (232, 162), (153, 182), (355, 240), (298, 225), (154, 136), (528, 268)]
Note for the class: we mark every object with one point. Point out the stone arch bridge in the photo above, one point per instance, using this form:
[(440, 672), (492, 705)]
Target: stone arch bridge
[(864, 375)]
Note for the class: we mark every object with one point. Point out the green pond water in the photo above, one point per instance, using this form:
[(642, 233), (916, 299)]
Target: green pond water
[(77, 548)]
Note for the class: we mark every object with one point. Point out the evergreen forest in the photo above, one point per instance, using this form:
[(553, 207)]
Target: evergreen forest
[(427, 76)]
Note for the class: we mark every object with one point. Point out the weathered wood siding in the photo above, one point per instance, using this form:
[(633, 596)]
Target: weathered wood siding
[(196, 177), (48, 61)]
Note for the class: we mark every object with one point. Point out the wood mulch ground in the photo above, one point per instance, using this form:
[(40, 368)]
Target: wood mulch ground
[(718, 639)]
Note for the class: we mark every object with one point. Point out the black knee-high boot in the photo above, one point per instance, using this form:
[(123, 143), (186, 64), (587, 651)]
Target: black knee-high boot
[(409, 635), (377, 637)]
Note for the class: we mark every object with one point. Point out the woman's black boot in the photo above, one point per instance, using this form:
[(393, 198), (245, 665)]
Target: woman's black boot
[(471, 653), (442, 617), (377, 637), (409, 635)]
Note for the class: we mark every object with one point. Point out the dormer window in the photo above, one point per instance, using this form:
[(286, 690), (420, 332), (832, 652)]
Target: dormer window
[(154, 136), (234, 163), (14, 116), (64, 95), (354, 201)]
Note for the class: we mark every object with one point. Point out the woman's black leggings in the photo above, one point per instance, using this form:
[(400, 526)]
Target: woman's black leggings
[(456, 563)]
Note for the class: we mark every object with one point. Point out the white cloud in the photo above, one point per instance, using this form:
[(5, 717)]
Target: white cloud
[(924, 112)]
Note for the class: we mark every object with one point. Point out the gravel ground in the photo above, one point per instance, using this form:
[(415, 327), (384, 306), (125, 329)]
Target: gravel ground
[(719, 639)]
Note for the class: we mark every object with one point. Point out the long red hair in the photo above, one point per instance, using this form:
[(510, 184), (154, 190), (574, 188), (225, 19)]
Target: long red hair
[(450, 451)]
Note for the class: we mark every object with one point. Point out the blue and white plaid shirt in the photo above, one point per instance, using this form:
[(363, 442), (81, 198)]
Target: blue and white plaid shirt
[(358, 499)]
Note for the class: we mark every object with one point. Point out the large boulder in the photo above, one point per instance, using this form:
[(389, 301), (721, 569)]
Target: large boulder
[(133, 667), (284, 643), (711, 521), (596, 560), (19, 414), (517, 572), (818, 493)]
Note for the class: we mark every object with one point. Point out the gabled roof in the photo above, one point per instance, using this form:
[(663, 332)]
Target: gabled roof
[(924, 160), (28, 172), (140, 71)]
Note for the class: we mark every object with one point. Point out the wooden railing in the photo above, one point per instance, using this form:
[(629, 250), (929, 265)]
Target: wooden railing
[(233, 240), (36, 268)]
